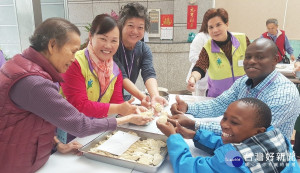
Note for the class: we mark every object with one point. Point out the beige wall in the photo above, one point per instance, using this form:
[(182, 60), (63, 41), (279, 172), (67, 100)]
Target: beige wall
[(249, 16)]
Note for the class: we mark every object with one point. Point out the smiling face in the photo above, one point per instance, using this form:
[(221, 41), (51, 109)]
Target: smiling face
[(272, 28), (105, 45), (62, 57), (260, 60), (217, 29), (133, 31), (239, 122)]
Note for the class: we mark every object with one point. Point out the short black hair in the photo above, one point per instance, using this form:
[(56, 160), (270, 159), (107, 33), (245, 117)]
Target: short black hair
[(264, 115)]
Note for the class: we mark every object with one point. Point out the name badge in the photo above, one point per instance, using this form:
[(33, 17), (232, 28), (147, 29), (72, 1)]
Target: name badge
[(240, 63)]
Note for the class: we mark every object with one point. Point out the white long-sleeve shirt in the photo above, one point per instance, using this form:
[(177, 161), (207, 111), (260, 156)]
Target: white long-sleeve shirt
[(195, 49)]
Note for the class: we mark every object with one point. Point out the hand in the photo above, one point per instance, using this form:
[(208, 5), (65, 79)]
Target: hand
[(71, 147), (185, 133), (191, 84), (179, 107), (127, 108), (292, 57), (296, 68), (158, 99), (138, 119), (182, 120), (140, 109), (167, 128), (146, 102)]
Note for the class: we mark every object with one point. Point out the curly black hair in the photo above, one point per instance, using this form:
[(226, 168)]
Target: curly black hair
[(132, 10)]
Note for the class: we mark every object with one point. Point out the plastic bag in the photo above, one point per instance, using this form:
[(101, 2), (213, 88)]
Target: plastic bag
[(191, 37)]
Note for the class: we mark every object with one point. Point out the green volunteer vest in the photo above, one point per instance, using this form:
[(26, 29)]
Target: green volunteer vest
[(92, 82), (219, 65)]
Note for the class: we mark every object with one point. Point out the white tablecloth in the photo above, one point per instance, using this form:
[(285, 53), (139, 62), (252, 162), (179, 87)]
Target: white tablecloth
[(79, 164)]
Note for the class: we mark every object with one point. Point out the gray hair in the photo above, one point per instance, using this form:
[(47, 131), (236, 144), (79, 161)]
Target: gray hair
[(132, 10), (272, 20), (52, 28)]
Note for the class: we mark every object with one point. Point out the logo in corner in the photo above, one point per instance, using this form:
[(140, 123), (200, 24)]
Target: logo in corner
[(233, 159)]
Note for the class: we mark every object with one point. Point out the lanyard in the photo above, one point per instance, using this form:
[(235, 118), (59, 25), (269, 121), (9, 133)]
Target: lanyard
[(132, 59), (271, 81)]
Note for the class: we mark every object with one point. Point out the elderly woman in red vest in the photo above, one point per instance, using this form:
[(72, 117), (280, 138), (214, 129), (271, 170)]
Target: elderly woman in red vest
[(279, 37), (30, 105)]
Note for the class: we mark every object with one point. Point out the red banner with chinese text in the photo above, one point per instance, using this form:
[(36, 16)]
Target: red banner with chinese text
[(192, 17), (166, 20)]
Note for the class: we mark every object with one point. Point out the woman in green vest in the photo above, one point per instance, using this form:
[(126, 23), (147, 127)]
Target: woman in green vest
[(221, 57), (94, 82)]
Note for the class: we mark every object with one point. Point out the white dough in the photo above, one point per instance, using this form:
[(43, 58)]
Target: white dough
[(143, 151)]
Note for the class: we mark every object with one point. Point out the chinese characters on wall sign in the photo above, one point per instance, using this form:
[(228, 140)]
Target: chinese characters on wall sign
[(154, 15), (166, 26), (192, 17)]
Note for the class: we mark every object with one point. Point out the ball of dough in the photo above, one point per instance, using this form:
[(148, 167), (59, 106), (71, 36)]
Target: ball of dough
[(162, 119), (148, 113), (158, 107)]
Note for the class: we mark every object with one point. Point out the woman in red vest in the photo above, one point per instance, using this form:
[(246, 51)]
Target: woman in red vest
[(279, 37), (31, 107)]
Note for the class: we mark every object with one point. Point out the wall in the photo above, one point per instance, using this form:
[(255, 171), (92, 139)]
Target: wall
[(171, 65), (173, 53), (82, 12), (170, 58), (249, 16), (19, 18), (9, 32)]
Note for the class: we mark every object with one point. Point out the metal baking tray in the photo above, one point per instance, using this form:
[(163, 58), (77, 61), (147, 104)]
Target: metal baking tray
[(125, 163)]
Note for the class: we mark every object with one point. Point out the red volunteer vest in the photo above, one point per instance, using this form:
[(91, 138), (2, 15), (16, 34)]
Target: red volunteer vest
[(25, 138), (279, 42)]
